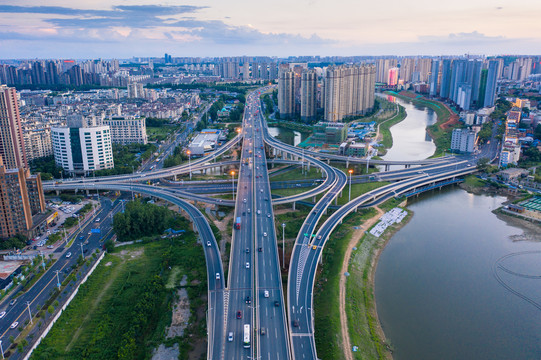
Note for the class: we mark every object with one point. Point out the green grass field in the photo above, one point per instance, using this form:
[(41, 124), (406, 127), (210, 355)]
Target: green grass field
[(122, 310), (326, 289)]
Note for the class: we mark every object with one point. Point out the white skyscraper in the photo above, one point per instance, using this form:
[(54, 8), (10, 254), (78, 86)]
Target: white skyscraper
[(80, 149)]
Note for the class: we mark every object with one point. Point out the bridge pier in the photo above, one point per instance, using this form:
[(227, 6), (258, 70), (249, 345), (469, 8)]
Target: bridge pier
[(57, 192), (386, 167), (87, 192), (293, 205), (347, 163), (328, 161), (407, 166), (314, 199)]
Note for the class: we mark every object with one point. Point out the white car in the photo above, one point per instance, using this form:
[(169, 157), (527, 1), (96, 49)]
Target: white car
[(264, 234), (247, 265), (230, 337), (14, 325), (266, 293), (2, 314), (208, 243), (68, 255), (258, 212), (217, 276)]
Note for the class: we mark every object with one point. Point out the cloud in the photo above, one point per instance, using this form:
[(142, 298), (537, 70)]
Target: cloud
[(138, 26), (140, 16), (472, 38)]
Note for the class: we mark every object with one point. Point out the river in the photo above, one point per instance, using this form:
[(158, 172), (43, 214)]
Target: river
[(410, 139), (437, 290), (291, 137), (444, 288)]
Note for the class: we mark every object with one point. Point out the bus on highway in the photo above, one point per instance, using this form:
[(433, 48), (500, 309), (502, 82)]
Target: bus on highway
[(246, 336), (237, 224)]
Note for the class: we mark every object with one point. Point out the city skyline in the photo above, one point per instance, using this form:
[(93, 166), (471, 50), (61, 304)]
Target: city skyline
[(192, 28)]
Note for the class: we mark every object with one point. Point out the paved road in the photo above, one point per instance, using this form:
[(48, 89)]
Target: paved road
[(41, 290)]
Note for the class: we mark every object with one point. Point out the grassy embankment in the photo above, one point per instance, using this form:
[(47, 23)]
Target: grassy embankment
[(385, 125), (326, 295), (122, 311), (326, 289), (441, 137), (161, 133), (363, 324), (295, 174)]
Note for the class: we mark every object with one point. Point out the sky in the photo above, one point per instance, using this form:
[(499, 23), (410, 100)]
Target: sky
[(141, 28)]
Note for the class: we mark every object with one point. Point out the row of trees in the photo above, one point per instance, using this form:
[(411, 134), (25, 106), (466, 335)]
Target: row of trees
[(47, 167), (176, 158), (128, 158)]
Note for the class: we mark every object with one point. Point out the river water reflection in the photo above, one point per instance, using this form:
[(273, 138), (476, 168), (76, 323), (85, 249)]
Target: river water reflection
[(291, 137), (445, 291), (410, 139)]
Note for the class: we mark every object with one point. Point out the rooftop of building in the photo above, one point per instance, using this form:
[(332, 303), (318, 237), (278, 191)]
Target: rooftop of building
[(9, 267)]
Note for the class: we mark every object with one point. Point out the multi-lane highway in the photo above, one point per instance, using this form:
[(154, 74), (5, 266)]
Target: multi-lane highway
[(271, 315), (255, 284)]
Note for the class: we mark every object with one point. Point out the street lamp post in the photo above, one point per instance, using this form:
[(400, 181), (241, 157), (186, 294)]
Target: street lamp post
[(350, 171), (233, 183), (57, 278), (189, 162), (82, 253), (283, 245), (29, 312), (2, 349)]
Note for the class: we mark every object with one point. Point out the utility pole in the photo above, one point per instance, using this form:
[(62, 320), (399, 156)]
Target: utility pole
[(283, 245), (350, 171), (233, 183), (189, 162), (29, 313)]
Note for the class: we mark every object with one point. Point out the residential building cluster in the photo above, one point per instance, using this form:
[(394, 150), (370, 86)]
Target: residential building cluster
[(510, 153), (520, 125), (467, 82), (21, 201), (125, 118), (21, 194), (337, 92)]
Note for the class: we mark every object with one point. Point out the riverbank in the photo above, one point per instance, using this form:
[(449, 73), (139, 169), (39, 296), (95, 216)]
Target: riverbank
[(384, 132), (440, 132), (356, 237), (366, 335)]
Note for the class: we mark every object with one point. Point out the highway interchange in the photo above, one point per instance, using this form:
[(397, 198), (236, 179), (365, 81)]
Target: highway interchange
[(254, 281)]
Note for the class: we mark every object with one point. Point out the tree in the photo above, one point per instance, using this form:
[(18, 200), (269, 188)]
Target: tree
[(109, 246), (50, 309), (537, 132)]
